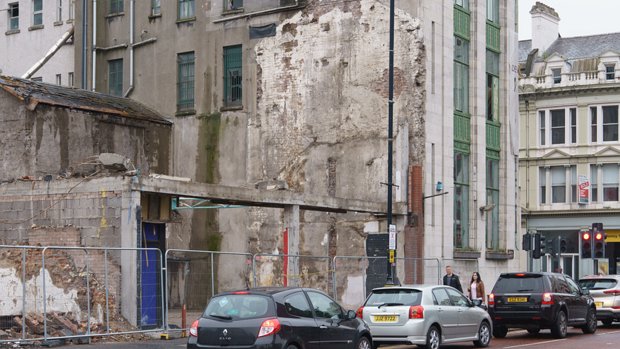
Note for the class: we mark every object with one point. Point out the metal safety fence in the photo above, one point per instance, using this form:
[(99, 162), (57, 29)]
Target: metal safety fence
[(80, 292), (77, 292)]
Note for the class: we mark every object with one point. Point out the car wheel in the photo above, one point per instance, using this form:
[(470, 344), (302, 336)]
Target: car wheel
[(363, 343), (533, 330), (433, 338), (375, 345), (484, 335), (500, 331), (590, 326), (607, 322), (291, 347), (560, 327)]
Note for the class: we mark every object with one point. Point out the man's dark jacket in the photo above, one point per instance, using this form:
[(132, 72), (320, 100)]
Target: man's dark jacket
[(452, 281)]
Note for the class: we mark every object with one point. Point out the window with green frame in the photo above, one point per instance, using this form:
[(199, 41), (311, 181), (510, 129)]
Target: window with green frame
[(115, 77), (185, 81), (461, 75), (492, 213), (463, 3), (492, 86), (116, 6), (186, 9), (232, 76), (461, 200), (493, 11)]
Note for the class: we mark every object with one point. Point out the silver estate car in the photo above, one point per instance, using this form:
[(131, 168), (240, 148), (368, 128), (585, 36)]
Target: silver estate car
[(605, 290), (426, 315)]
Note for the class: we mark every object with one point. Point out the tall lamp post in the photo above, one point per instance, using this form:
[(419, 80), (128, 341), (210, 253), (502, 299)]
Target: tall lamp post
[(391, 265)]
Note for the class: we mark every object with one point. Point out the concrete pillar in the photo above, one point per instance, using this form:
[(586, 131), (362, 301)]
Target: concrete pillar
[(291, 219)]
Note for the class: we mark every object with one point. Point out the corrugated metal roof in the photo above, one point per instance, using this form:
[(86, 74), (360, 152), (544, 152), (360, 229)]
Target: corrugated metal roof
[(32, 93), (584, 65)]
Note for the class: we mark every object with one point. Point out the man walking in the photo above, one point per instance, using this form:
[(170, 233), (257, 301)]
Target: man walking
[(451, 279)]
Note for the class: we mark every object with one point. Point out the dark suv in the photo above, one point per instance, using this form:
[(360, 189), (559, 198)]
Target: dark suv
[(536, 301)]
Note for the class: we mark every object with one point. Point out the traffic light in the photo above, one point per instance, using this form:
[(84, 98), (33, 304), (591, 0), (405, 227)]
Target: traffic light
[(536, 247), (599, 240), (562, 245), (527, 242), (585, 239), (543, 245), (552, 246)]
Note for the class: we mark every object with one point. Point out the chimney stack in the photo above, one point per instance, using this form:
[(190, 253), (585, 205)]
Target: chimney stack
[(544, 26)]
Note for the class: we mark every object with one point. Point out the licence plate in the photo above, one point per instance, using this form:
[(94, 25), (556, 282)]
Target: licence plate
[(598, 304), (384, 318), (517, 299)]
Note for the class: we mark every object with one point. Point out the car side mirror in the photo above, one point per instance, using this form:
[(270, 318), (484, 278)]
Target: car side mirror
[(350, 315)]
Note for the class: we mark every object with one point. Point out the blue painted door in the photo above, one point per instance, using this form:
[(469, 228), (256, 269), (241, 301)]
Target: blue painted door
[(150, 286)]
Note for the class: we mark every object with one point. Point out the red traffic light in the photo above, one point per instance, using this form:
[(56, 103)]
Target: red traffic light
[(586, 236), (598, 236)]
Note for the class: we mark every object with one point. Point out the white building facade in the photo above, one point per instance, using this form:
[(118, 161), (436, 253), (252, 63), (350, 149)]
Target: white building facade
[(31, 29)]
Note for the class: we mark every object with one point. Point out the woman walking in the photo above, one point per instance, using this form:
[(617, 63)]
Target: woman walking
[(476, 288)]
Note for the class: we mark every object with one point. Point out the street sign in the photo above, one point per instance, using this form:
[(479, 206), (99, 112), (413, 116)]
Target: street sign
[(392, 237)]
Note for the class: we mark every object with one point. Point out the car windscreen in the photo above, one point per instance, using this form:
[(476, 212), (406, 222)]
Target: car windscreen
[(597, 284), (519, 284), (394, 297), (238, 306)]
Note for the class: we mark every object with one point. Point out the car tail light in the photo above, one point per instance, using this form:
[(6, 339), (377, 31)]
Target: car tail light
[(615, 307), (193, 331), (360, 312), (416, 312), (612, 292), (547, 299), (269, 327), (241, 292), (491, 300)]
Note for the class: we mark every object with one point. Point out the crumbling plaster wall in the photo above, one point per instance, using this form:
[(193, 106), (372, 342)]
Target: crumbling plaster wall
[(59, 141), (320, 126)]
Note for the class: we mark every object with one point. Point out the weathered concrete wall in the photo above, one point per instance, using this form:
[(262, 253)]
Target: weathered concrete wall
[(60, 141)]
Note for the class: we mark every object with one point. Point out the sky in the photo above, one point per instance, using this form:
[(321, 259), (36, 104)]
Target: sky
[(577, 17)]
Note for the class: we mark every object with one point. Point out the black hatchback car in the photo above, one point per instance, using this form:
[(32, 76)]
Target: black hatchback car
[(536, 301), (278, 317)]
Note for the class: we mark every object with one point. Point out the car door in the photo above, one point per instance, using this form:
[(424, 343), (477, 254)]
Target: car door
[(467, 315), (446, 313), (334, 331), (578, 303), (301, 320)]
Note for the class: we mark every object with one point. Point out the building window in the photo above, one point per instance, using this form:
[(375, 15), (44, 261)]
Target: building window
[(610, 72), (461, 75), (593, 125), (492, 86), (562, 128), (573, 185), (610, 182), (37, 12), (70, 79), (593, 183), (493, 11), (58, 10), (115, 77), (232, 76), (558, 184), (463, 3), (185, 82), (610, 123), (542, 180), (155, 7), (186, 9), (573, 125), (234, 4), (557, 75), (492, 213), (461, 200), (71, 9), (13, 16), (116, 6), (58, 79)]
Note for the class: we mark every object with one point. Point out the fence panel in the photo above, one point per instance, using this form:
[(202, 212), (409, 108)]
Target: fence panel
[(193, 277)]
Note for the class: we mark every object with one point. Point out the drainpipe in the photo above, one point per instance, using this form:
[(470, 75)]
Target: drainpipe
[(132, 7), (84, 42), (94, 60), (49, 54)]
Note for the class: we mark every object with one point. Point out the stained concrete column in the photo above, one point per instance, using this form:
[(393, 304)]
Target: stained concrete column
[(291, 219)]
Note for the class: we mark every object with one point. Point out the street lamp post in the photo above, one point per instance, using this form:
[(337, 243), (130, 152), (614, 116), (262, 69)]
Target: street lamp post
[(391, 265)]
